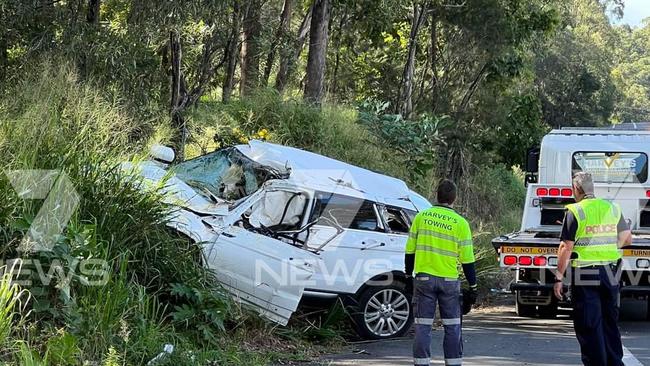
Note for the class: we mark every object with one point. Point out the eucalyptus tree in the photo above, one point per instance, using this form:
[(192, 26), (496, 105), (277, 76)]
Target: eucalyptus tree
[(316, 60)]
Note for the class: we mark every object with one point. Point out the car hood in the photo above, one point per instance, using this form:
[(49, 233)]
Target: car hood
[(153, 175)]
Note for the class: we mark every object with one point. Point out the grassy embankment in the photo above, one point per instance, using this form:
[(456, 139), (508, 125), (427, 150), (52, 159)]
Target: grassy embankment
[(155, 293)]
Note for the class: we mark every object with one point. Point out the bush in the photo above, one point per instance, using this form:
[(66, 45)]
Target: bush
[(333, 131), (492, 200), (55, 122)]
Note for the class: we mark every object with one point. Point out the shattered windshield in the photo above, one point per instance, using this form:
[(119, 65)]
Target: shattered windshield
[(224, 174)]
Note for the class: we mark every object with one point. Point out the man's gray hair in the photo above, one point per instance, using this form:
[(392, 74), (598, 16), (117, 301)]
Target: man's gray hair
[(584, 182)]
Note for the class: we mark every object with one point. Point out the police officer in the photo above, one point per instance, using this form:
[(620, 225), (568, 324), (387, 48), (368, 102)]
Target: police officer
[(439, 238), (592, 233)]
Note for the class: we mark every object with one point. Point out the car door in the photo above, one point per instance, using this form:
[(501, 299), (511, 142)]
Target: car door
[(263, 272), (350, 236)]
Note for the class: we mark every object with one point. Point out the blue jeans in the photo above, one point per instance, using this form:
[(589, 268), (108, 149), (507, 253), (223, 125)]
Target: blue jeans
[(428, 291)]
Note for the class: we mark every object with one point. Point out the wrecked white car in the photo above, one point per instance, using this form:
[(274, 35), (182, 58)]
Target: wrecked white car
[(277, 224)]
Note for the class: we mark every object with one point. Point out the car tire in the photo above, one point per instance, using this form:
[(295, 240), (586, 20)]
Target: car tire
[(525, 311), (383, 312)]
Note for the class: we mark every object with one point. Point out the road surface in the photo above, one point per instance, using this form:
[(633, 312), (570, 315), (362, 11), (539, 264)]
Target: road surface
[(496, 336)]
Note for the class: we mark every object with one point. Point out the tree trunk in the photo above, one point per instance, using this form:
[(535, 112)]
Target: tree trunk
[(434, 61), (316, 60), (232, 50), (177, 95), (472, 89), (290, 54), (165, 69), (406, 94), (251, 49), (337, 58), (93, 11), (280, 35), (207, 68)]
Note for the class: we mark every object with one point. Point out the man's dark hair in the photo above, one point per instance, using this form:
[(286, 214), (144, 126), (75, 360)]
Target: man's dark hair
[(446, 192)]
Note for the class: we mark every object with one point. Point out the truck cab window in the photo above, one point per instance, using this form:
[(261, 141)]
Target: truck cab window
[(612, 167), (344, 211)]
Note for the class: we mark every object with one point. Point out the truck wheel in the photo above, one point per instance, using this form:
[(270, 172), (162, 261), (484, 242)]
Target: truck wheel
[(526, 311), (383, 311)]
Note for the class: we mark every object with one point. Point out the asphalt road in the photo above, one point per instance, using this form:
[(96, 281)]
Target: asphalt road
[(496, 336)]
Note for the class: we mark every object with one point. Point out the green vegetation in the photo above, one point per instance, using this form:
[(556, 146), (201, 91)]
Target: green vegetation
[(418, 90), (156, 293)]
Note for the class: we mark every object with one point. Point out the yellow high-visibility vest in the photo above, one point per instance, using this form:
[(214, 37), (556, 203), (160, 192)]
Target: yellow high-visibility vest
[(597, 236), (440, 238)]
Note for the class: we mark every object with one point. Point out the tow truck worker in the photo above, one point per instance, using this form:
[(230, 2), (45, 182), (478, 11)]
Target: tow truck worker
[(439, 238), (593, 231)]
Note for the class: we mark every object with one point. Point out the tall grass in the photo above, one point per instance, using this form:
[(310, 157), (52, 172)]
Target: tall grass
[(12, 300), (54, 121)]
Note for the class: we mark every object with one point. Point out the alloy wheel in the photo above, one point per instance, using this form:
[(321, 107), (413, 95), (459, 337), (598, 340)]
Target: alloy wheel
[(386, 312)]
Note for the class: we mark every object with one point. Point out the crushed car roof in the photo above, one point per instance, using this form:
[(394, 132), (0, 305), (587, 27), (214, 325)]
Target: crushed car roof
[(330, 175)]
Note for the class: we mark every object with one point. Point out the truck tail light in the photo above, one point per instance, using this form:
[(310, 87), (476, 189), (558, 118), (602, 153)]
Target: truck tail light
[(539, 261), (509, 260), (557, 192), (525, 260), (647, 193)]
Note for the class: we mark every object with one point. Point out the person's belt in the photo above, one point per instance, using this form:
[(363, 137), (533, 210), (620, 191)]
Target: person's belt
[(614, 266), (427, 275)]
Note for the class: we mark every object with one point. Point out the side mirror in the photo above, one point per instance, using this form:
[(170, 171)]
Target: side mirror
[(532, 165), (162, 153)]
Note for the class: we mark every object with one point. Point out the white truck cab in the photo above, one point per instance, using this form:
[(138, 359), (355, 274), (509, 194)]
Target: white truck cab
[(279, 224), (617, 158)]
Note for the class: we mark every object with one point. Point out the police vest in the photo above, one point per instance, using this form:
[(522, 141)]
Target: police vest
[(440, 238), (596, 240)]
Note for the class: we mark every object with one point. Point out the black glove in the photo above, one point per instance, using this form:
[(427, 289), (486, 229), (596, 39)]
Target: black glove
[(409, 285), (468, 299)]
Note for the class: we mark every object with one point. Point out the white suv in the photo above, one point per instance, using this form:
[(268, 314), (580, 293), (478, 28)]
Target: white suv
[(277, 224)]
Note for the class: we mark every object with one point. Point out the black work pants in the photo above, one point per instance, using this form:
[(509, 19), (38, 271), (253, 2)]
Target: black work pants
[(595, 294)]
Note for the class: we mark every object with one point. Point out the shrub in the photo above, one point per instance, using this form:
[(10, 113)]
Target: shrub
[(55, 122), (332, 130)]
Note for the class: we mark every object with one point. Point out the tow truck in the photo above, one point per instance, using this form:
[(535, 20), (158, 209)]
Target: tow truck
[(617, 158)]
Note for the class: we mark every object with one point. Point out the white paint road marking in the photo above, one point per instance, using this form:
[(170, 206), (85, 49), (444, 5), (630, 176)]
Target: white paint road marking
[(629, 359)]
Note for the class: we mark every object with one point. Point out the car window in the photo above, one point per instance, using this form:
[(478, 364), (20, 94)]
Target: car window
[(347, 212), (411, 215), (396, 219)]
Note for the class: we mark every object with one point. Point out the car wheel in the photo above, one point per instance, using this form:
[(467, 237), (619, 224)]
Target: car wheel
[(384, 311)]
